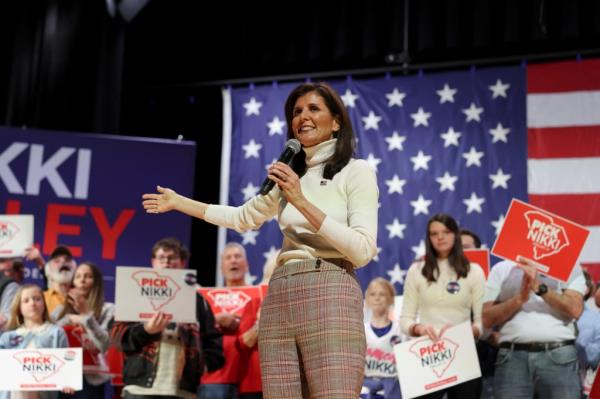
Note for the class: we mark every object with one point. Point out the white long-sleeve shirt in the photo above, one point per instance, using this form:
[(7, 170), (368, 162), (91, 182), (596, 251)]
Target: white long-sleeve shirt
[(435, 304), (349, 202)]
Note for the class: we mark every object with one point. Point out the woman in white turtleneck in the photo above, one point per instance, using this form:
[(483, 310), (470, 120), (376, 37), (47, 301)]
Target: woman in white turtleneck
[(443, 290), (311, 335)]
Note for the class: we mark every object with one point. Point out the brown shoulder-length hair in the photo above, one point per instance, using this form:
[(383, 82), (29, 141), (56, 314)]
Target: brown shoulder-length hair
[(456, 259), (16, 317), (95, 299), (344, 148)]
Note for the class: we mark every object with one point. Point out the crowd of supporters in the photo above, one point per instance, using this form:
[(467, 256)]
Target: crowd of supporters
[(535, 337)]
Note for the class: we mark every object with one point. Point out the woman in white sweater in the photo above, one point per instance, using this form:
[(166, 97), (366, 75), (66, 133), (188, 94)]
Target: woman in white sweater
[(444, 289), (311, 334)]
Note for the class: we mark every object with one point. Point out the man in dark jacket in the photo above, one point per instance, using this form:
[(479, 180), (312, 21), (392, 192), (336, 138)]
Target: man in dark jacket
[(167, 359)]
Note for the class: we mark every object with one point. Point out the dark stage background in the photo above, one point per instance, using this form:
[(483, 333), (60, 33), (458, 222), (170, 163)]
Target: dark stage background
[(155, 68)]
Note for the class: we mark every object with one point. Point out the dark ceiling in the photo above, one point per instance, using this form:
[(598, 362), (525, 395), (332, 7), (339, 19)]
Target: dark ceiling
[(69, 65)]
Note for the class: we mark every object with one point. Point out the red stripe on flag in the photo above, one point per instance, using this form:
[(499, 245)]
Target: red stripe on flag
[(580, 208), (564, 76), (593, 269), (564, 142)]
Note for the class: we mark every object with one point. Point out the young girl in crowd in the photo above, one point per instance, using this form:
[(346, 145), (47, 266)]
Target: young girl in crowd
[(382, 334), (443, 290), (86, 318), (30, 328)]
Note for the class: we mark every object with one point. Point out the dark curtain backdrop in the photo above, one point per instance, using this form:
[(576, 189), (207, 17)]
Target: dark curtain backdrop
[(69, 65)]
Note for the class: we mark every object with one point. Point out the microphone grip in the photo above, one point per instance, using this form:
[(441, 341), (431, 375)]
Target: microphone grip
[(286, 158), (267, 186)]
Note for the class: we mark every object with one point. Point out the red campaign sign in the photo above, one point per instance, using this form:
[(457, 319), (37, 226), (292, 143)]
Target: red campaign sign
[(78, 338), (595, 392), (230, 299), (481, 257), (552, 242)]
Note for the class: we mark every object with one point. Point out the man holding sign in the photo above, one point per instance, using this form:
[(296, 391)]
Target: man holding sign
[(535, 316), (163, 358)]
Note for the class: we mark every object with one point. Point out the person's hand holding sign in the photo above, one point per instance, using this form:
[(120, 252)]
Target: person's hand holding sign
[(156, 324), (428, 330), (530, 272)]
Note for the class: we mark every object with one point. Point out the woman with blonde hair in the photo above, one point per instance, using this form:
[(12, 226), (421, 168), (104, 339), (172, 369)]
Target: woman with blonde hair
[(382, 334), (30, 328)]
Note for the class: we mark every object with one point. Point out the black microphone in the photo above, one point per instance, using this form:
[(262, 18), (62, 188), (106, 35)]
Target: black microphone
[(292, 147)]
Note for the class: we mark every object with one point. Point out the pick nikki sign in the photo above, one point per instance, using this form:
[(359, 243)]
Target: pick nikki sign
[(142, 292), (39, 366), (158, 289), (41, 369), (232, 299), (552, 242), (426, 366), (16, 234), (437, 356)]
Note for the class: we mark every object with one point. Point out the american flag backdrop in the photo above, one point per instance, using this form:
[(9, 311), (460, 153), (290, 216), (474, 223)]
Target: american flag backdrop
[(454, 142)]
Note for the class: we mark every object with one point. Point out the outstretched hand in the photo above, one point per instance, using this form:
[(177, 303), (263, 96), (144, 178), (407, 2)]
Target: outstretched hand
[(164, 201)]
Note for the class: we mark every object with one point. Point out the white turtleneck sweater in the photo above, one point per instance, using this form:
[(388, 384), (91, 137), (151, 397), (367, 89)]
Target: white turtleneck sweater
[(349, 200), (435, 304)]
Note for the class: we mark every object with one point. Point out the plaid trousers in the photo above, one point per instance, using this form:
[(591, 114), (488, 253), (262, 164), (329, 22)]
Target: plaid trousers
[(311, 334)]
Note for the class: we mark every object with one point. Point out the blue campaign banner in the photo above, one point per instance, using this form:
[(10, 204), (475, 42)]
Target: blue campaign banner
[(85, 190)]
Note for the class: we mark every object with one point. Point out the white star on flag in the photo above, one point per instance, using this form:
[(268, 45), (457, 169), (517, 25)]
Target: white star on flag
[(447, 181), (396, 274), (420, 161), (249, 237), (373, 161), (432, 141), (419, 250), (250, 278), (421, 205), (250, 191), (396, 229), (499, 133), (446, 94), (497, 224), (474, 203), (450, 137), (473, 157), (371, 121), (472, 113), (267, 166), (376, 257), (251, 149), (395, 141), (395, 98), (349, 99), (499, 89), (500, 179), (270, 253), (252, 107), (395, 185), (421, 117), (276, 126)]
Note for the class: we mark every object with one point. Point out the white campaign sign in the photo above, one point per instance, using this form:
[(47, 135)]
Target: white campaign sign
[(425, 366), (41, 369), (141, 292), (16, 235)]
